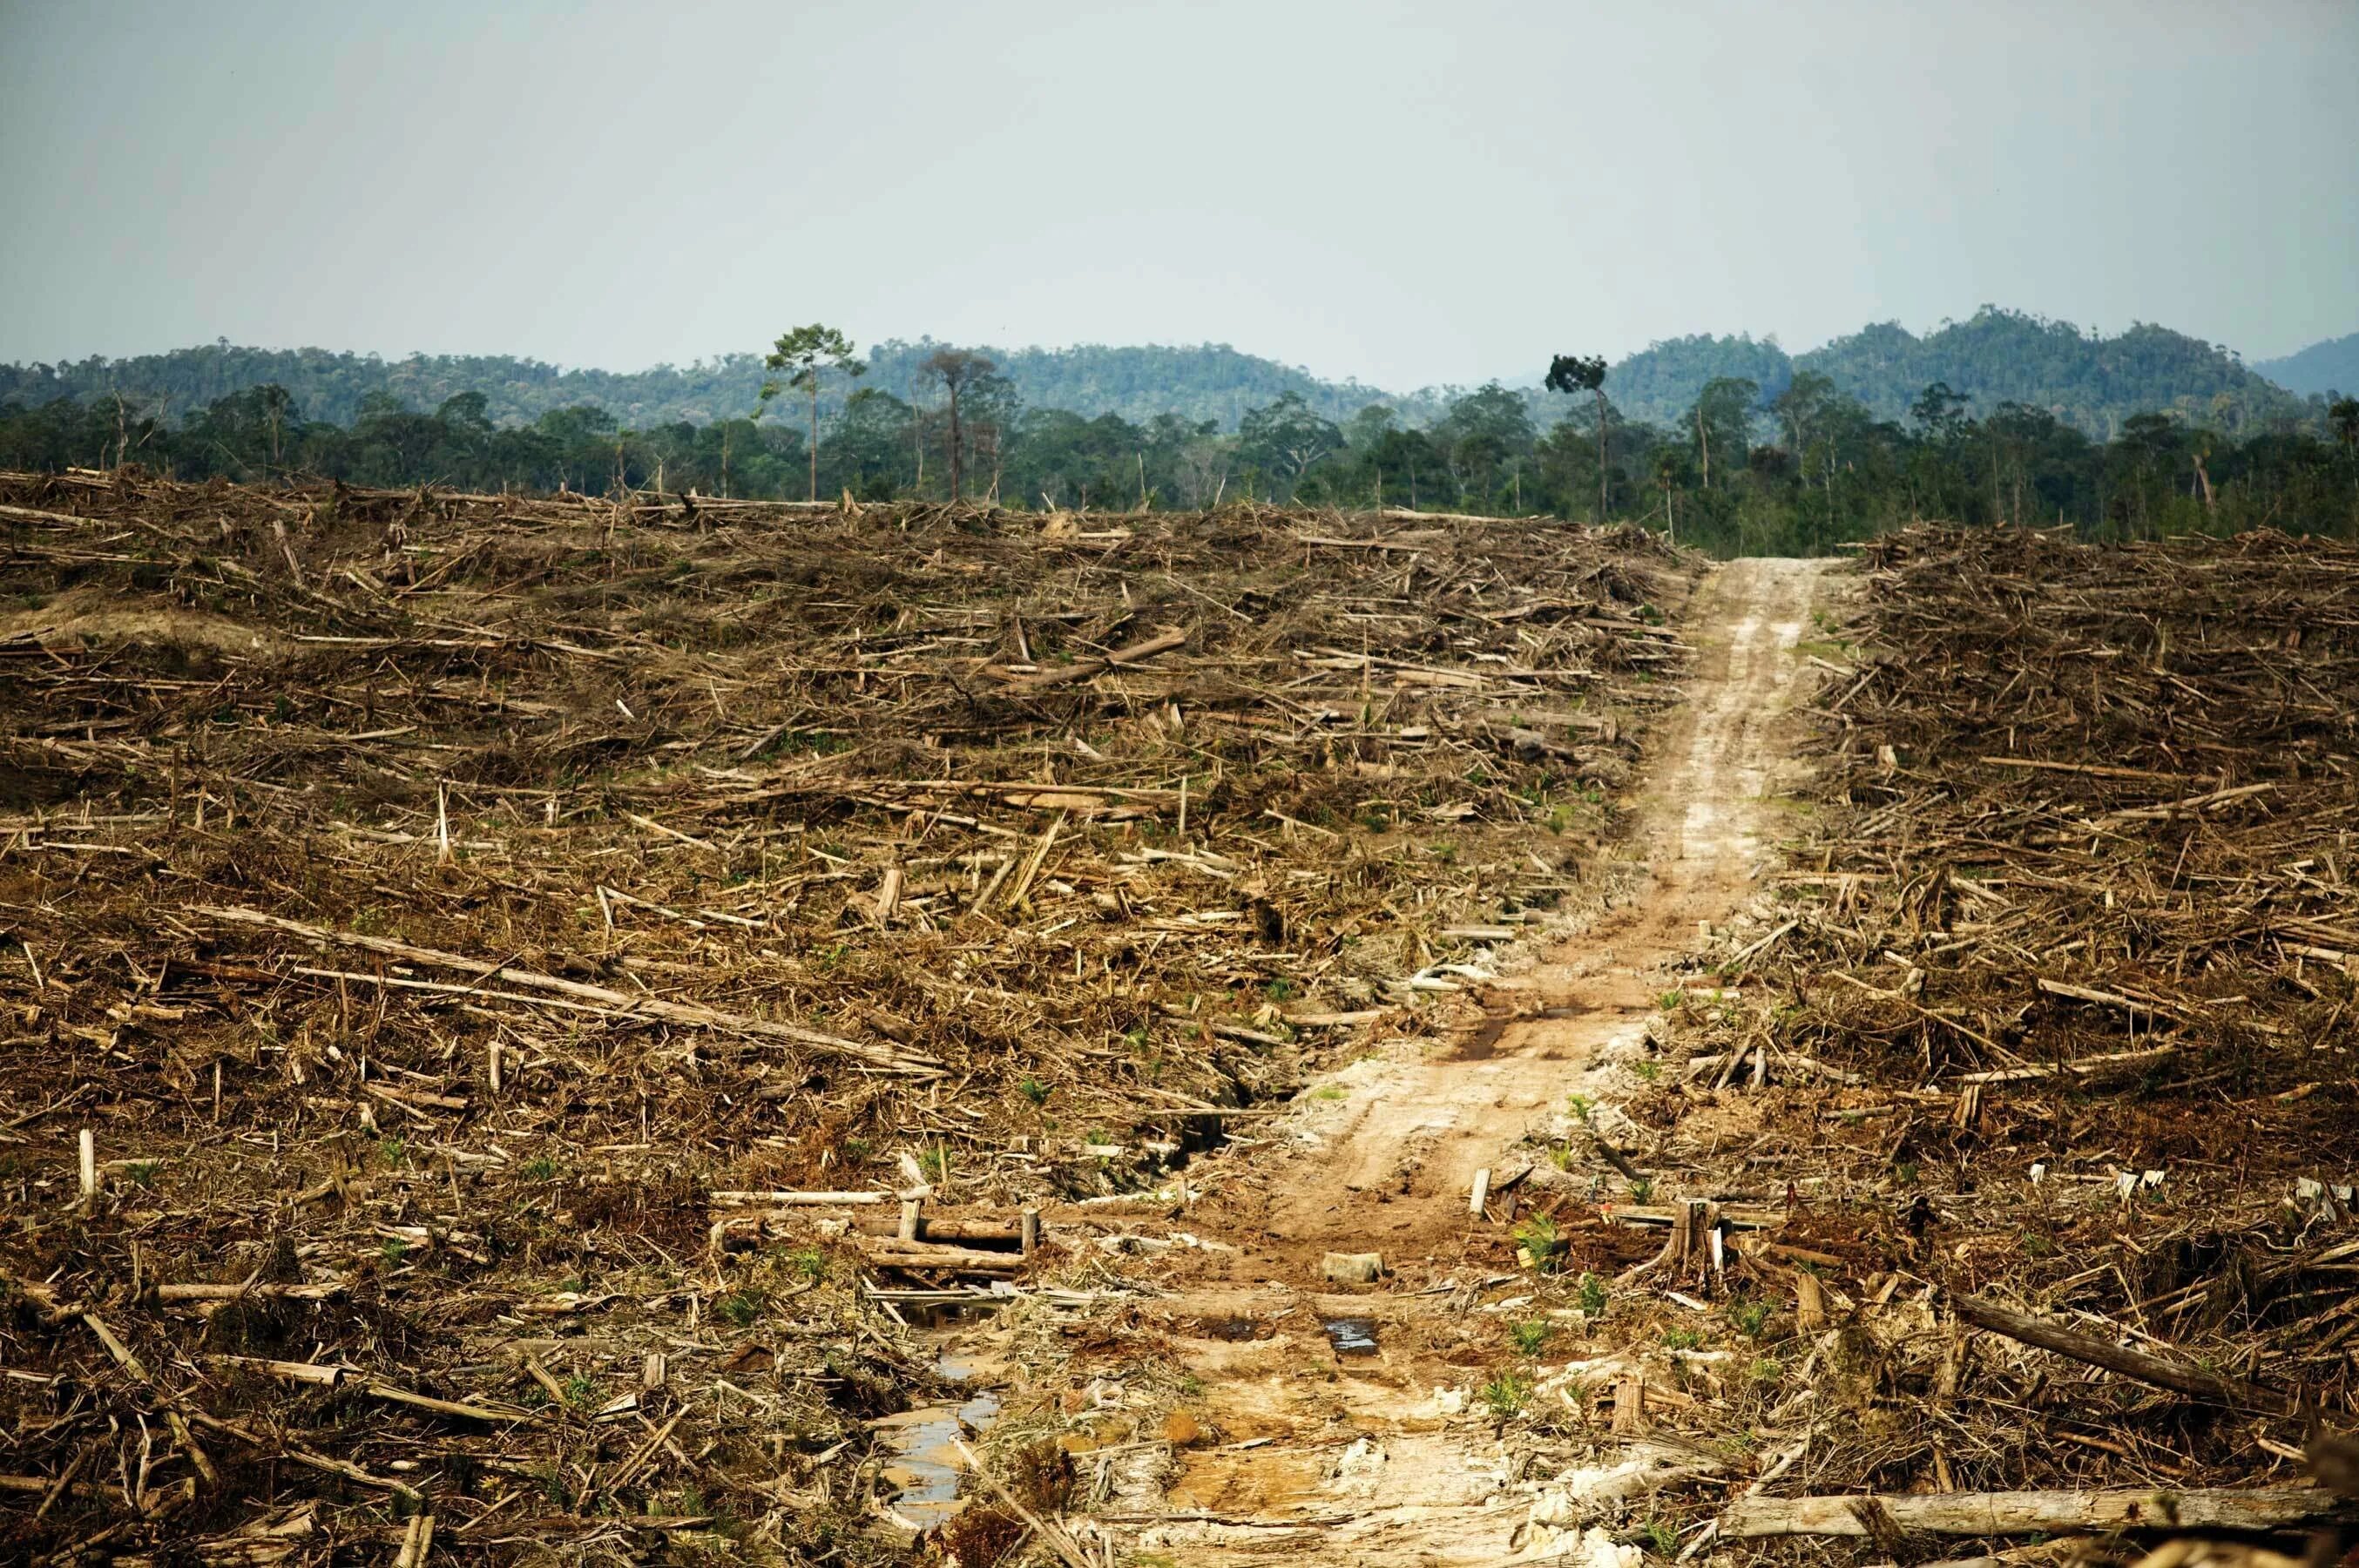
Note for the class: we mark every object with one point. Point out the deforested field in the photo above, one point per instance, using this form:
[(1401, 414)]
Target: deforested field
[(555, 1029), (2047, 1066), (444, 939)]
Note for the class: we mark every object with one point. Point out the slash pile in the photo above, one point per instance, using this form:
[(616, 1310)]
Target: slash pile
[(415, 907), (2056, 1019)]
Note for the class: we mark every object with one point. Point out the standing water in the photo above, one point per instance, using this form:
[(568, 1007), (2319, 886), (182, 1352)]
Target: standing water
[(927, 1470)]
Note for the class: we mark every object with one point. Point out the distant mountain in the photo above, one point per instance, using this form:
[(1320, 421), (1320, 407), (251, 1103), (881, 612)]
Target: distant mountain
[(2322, 369), (2093, 382), (1996, 357), (2089, 381)]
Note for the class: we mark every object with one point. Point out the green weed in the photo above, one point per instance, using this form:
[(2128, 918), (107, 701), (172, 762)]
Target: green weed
[(1538, 1235), (1506, 1394)]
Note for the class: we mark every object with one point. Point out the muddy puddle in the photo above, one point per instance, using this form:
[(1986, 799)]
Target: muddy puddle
[(1235, 1331), (927, 1466), (1353, 1336)]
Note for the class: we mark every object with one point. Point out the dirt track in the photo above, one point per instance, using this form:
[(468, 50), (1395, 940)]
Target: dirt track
[(1379, 1467)]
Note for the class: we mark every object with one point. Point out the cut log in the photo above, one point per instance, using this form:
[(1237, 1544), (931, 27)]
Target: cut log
[(931, 1229), (897, 1254), (2025, 1513), (2175, 1376)]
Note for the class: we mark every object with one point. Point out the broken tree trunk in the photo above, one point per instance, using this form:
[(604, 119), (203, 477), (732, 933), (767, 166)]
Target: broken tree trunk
[(1082, 669), (2177, 1377), (2024, 1513)]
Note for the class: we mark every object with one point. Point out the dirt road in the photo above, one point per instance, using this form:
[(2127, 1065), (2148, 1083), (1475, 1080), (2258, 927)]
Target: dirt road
[(1378, 1465)]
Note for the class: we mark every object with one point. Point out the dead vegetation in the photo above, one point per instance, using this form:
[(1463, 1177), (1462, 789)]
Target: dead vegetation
[(2044, 1073), (435, 931)]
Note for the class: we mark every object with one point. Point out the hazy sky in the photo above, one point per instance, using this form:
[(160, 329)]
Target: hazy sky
[(1407, 194)]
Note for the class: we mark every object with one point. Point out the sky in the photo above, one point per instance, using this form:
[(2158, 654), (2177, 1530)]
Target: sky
[(1409, 194)]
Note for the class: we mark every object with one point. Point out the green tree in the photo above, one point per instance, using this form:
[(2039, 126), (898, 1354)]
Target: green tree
[(1287, 437), (807, 353), (1721, 417), (1482, 431), (870, 448), (1569, 372)]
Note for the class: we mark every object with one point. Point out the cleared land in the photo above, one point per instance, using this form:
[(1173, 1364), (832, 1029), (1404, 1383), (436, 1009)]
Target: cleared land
[(552, 986), (451, 918), (1986, 1174)]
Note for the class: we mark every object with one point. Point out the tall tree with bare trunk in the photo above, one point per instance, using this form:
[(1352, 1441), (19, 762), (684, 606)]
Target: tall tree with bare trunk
[(956, 369), (809, 352), (1571, 373)]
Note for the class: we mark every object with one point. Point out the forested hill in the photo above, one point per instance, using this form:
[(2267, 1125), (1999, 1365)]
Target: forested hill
[(2322, 368), (2090, 382), (1211, 381)]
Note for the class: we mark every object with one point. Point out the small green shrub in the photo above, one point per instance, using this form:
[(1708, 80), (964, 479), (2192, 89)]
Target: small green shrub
[(1538, 1235), (1506, 1394)]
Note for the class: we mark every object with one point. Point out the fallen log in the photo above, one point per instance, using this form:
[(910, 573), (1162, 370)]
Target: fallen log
[(2025, 1513), (2115, 1063), (951, 1230), (1082, 669), (2177, 1377), (691, 1014), (894, 1253)]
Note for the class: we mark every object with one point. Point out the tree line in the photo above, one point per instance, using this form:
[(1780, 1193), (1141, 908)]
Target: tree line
[(1737, 471), (2090, 380)]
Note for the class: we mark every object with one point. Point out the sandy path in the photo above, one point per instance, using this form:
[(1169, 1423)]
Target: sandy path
[(1367, 1468)]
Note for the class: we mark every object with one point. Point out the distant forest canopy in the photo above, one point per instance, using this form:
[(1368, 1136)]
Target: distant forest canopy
[(2092, 383), (1736, 471), (1211, 381), (2324, 369)]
